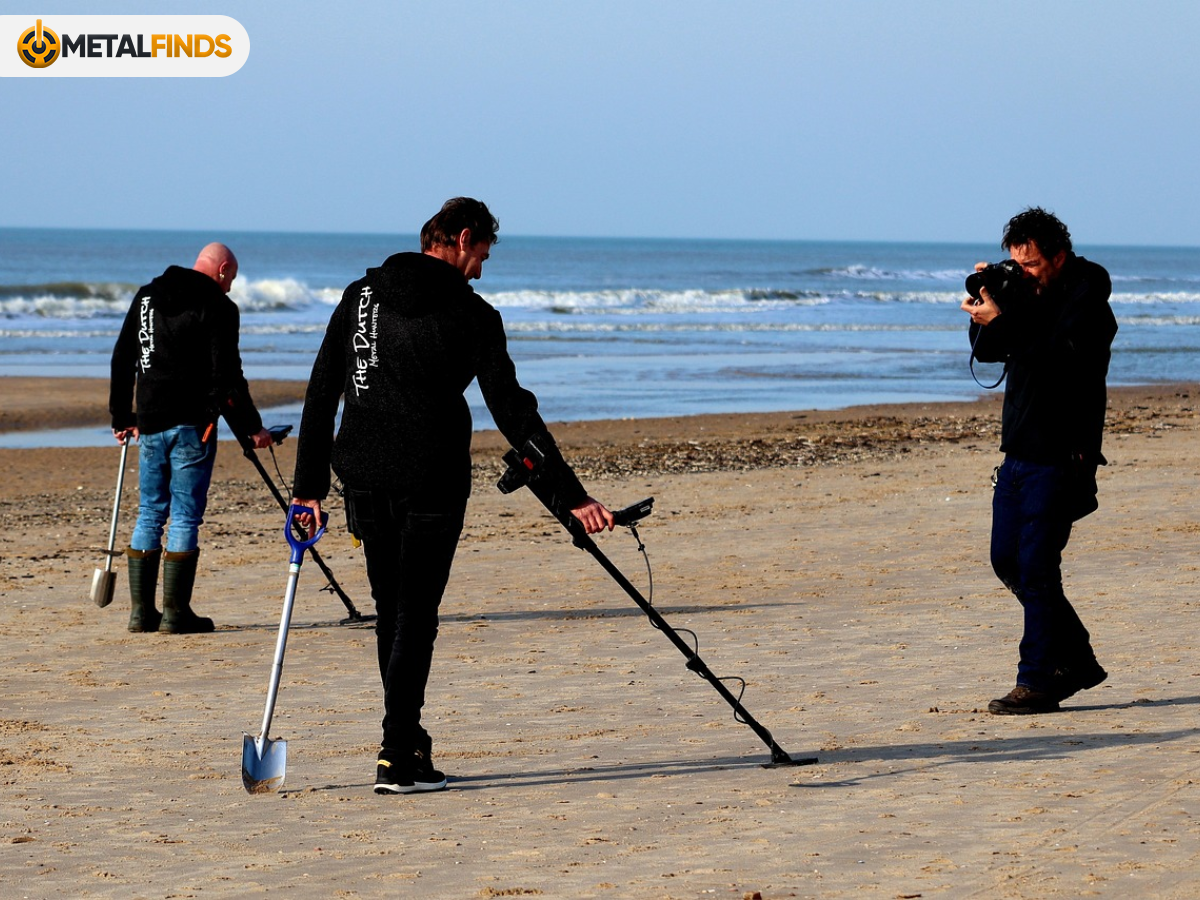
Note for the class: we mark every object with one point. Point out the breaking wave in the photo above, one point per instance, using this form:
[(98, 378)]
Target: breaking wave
[(68, 300)]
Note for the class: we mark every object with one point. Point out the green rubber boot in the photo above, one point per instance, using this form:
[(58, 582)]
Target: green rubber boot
[(179, 576), (143, 584)]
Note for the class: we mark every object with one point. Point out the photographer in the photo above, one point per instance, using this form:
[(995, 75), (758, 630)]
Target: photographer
[(1053, 329), (403, 345)]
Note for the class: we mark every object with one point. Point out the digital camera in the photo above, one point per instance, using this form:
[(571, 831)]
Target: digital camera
[(1004, 281)]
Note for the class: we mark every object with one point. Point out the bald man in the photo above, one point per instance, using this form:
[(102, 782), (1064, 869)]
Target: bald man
[(178, 352)]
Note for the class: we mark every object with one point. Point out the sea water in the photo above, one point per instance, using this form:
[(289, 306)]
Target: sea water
[(604, 328)]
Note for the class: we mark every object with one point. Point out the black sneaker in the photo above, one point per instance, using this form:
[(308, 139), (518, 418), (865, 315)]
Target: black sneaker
[(425, 776), (1071, 680), (1023, 701), (419, 776)]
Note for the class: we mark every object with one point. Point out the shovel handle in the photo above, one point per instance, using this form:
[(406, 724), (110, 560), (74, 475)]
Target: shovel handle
[(298, 544)]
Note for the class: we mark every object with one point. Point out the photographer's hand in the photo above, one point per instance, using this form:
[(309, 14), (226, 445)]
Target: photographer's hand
[(983, 310)]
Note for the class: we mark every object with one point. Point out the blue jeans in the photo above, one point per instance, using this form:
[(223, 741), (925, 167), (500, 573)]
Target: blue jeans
[(1031, 524), (174, 471)]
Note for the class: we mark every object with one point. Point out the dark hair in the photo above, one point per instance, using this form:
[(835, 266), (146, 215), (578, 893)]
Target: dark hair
[(1035, 225), (455, 215)]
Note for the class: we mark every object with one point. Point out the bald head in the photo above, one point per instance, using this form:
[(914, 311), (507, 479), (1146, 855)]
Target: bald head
[(218, 263)]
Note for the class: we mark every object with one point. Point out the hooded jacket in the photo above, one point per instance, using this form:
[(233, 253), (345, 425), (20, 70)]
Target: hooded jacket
[(1057, 347), (401, 348), (179, 344)]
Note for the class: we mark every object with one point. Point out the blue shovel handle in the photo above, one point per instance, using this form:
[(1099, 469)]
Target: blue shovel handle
[(297, 544)]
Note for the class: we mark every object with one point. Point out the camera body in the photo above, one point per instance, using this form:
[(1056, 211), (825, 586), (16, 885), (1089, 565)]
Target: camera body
[(1005, 282)]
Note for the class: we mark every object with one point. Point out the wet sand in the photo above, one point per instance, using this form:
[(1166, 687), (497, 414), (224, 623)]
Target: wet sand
[(42, 404), (837, 561)]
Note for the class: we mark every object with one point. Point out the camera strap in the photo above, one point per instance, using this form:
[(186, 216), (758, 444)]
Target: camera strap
[(971, 366)]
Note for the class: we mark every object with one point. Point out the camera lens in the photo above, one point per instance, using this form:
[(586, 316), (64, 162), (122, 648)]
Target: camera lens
[(975, 281)]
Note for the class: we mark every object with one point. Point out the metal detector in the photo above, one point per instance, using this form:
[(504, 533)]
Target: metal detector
[(278, 433), (528, 468)]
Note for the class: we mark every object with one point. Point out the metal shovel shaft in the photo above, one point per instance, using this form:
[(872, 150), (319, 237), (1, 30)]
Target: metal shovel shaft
[(289, 599), (112, 528), (104, 580)]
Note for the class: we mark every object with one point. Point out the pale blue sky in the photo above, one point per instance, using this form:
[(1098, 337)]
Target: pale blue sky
[(922, 121)]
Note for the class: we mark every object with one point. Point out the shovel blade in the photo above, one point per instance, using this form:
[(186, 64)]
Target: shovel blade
[(264, 763), (103, 583)]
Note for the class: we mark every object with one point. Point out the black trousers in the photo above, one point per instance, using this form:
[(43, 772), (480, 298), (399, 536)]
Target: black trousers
[(409, 546), (1032, 509)]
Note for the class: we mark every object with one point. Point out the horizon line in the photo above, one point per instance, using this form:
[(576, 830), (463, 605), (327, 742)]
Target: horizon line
[(566, 237)]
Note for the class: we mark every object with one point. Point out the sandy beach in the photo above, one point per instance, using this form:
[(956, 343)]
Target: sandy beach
[(836, 561)]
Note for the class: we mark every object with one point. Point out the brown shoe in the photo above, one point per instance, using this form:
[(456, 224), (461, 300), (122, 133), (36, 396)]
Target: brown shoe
[(1023, 701)]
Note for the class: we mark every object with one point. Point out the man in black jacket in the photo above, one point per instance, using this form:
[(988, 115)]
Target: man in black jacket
[(179, 348), (401, 348), (1055, 338)]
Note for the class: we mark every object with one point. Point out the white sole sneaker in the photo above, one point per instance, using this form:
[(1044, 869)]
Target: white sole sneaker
[(386, 781)]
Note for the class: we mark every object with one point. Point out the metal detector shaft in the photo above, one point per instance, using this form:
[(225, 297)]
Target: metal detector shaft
[(248, 452), (583, 540)]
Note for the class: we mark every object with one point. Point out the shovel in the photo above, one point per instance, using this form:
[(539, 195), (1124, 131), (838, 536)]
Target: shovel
[(264, 762), (105, 579)]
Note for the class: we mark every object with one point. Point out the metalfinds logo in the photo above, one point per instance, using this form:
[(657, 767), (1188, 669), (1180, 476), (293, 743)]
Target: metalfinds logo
[(154, 46), (39, 47)]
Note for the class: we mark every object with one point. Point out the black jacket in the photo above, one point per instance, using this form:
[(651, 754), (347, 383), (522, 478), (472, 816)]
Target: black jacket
[(179, 343), (1057, 346), (402, 346)]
